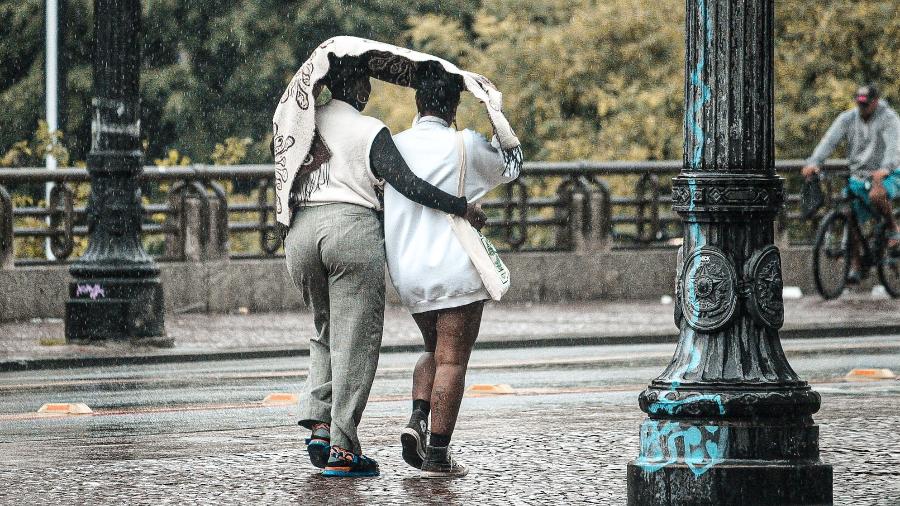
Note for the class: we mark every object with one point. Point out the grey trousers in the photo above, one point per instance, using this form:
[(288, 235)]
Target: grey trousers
[(335, 255)]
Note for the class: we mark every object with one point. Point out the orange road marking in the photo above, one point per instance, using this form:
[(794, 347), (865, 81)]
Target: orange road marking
[(519, 392)]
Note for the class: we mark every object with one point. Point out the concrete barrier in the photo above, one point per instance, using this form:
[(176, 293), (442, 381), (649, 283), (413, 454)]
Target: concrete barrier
[(262, 285)]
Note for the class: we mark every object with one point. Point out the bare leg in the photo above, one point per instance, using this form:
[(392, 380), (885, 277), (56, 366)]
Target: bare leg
[(880, 201), (423, 374), (414, 436), (855, 261), (457, 329)]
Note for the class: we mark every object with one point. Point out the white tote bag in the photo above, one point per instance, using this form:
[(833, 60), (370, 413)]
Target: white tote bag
[(482, 253)]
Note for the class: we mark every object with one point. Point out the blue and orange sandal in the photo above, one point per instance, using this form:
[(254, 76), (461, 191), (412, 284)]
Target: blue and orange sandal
[(318, 444), (344, 464), (893, 245)]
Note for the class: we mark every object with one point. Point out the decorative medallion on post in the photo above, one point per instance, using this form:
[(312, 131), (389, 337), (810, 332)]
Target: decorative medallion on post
[(729, 421), (116, 292)]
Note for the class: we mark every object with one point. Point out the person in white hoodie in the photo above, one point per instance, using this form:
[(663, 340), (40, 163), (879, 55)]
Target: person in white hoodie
[(433, 276)]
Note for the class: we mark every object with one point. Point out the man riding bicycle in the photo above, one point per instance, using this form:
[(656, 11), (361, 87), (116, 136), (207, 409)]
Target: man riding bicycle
[(872, 131)]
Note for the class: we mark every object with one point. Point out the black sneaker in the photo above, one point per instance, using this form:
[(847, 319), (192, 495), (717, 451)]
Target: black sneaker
[(413, 438), (345, 464), (318, 444), (439, 464)]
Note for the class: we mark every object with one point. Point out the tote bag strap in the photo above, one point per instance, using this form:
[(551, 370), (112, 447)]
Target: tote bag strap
[(461, 147)]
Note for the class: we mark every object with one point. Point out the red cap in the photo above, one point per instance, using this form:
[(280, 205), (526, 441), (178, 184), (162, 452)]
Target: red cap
[(866, 94)]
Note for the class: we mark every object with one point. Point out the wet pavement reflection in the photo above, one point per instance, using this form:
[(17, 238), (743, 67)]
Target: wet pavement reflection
[(564, 439)]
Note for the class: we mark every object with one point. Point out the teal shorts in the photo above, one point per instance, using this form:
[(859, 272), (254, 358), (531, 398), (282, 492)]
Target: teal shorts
[(860, 188)]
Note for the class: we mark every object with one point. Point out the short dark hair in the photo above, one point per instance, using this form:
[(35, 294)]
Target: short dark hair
[(436, 89), (343, 70)]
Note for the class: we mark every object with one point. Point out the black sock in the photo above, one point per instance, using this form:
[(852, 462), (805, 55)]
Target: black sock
[(422, 405), (439, 440)]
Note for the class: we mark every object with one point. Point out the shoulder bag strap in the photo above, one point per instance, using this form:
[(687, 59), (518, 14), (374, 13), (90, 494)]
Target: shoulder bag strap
[(461, 147)]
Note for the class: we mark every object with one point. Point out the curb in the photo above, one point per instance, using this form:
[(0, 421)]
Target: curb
[(29, 364)]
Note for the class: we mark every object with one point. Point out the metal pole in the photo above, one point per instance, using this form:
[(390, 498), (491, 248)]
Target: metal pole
[(51, 86), (116, 292), (729, 421)]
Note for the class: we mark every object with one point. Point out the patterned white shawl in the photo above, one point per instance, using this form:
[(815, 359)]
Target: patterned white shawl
[(294, 121)]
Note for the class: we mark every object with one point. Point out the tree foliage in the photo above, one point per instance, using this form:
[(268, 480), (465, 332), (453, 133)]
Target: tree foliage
[(582, 78), (824, 51), (212, 69)]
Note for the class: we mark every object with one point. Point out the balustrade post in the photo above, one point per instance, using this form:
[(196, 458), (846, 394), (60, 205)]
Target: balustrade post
[(729, 421), (782, 230), (563, 212), (217, 232), (579, 241), (116, 292), (601, 220), (196, 229), (217, 247), (7, 239), (174, 242)]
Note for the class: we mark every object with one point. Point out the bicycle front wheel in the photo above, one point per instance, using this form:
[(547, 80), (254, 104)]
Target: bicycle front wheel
[(831, 255), (889, 265)]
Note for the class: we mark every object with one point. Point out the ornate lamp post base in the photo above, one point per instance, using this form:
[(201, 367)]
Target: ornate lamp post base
[(729, 422), (108, 304), (731, 483), (708, 462)]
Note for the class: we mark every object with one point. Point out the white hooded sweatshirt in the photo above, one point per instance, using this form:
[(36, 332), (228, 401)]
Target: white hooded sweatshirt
[(427, 264)]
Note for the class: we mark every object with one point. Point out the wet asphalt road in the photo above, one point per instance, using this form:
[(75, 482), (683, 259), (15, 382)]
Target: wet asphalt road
[(197, 432)]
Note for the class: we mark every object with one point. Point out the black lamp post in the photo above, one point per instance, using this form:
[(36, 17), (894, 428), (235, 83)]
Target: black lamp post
[(116, 291), (729, 421)]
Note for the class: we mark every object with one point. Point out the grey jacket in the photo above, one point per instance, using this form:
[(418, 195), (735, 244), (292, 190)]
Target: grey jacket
[(871, 145)]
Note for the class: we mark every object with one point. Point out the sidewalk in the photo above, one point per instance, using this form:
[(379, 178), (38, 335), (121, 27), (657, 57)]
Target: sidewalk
[(257, 456), (41, 343)]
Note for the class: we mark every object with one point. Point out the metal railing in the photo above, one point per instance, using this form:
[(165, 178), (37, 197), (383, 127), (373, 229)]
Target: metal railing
[(203, 211)]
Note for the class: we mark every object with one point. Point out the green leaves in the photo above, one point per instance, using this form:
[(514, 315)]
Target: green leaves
[(823, 51), (581, 78), (584, 79), (32, 153)]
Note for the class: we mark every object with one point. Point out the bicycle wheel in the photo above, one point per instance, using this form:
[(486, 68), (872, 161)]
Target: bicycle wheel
[(831, 255), (889, 265)]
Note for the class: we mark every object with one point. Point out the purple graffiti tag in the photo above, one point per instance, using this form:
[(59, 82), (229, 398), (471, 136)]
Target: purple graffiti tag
[(94, 291)]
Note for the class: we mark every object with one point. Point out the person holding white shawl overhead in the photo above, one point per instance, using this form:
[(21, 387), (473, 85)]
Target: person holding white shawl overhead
[(329, 165), (433, 275), (335, 245)]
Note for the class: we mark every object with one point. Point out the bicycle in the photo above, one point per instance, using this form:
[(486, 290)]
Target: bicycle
[(832, 254)]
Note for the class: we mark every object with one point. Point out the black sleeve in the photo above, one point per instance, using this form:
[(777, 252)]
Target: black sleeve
[(388, 164)]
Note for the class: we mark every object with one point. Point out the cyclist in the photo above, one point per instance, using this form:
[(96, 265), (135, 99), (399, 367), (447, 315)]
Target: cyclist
[(872, 132)]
